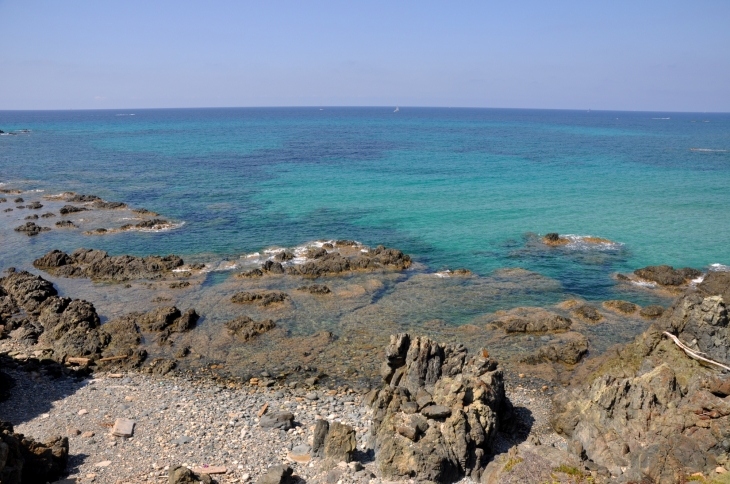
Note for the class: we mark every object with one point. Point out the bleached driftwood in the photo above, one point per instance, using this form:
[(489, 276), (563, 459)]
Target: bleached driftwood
[(692, 353)]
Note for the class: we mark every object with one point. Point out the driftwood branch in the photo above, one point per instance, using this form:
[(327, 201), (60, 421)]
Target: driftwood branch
[(692, 353)]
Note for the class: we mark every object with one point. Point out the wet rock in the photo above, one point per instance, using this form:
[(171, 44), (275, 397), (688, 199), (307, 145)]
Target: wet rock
[(588, 313), (283, 256), (649, 412), (183, 475), (315, 289), (19, 200), (667, 275), (67, 209), (651, 312), (316, 253), (152, 223), (251, 273), (66, 224), (554, 238), (31, 217), (98, 265), (263, 298), (623, 307), (27, 290), (31, 229), (245, 328), (34, 205), (420, 370), (48, 215), (102, 205), (79, 198), (277, 420), (279, 474), (569, 349)]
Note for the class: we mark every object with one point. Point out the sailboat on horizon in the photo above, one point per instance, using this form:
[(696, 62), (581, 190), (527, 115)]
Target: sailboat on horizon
[(396, 109)]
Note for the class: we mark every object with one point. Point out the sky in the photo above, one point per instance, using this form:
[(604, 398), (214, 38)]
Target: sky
[(615, 55)]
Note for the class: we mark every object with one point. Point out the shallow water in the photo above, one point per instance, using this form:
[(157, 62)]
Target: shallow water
[(472, 188)]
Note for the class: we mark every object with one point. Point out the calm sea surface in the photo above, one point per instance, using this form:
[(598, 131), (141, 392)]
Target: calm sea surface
[(453, 187)]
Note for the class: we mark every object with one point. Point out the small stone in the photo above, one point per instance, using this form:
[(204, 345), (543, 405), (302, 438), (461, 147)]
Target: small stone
[(279, 474), (720, 470), (88, 434), (312, 396), (104, 463), (355, 466), (521, 375), (436, 411), (83, 411), (123, 427)]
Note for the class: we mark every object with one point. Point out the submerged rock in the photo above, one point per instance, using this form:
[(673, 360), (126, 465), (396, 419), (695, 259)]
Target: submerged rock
[(263, 298), (335, 263), (587, 313), (533, 320), (570, 348), (461, 402), (67, 209), (315, 289), (245, 328), (623, 307)]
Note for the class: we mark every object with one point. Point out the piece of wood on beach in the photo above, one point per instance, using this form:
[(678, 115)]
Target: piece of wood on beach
[(210, 470), (123, 427), (115, 375), (263, 409), (78, 361), (113, 358)]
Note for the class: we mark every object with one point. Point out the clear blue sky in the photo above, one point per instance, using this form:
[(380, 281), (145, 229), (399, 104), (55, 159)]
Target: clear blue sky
[(628, 55)]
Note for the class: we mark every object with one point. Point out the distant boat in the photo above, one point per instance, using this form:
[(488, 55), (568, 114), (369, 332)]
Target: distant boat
[(396, 109)]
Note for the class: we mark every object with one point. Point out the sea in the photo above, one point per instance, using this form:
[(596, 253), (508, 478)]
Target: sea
[(453, 188)]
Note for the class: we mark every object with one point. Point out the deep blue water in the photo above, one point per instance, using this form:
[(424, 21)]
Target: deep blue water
[(452, 187)]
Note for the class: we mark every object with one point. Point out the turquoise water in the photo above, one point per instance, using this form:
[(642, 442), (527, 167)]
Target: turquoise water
[(453, 187)]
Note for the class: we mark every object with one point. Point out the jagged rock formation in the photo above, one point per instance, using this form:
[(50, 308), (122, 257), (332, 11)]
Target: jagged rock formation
[(335, 263), (31, 229), (98, 265), (437, 414), (650, 413), (263, 298)]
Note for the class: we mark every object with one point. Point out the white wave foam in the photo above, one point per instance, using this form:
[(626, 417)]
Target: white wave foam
[(719, 267), (442, 274), (708, 150), (660, 118), (158, 228), (644, 284)]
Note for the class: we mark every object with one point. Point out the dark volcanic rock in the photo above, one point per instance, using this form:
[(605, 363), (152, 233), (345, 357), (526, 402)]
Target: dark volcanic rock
[(716, 284), (667, 275), (650, 413), (30, 229), (98, 265), (66, 224), (334, 263), (79, 198), (31, 217), (27, 290), (315, 289), (411, 445), (67, 209), (278, 474), (102, 205), (48, 215), (34, 205), (245, 328), (262, 297)]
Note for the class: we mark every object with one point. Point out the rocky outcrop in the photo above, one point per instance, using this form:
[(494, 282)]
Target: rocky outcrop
[(333, 263), (535, 463), (264, 298), (31, 229), (650, 413), (667, 275), (98, 265), (23, 460), (438, 412), (245, 328), (68, 209)]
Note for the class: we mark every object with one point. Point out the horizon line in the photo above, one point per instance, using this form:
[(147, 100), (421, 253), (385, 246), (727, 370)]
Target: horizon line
[(364, 107)]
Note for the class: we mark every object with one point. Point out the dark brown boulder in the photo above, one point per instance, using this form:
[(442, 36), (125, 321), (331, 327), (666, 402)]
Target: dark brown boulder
[(667, 275)]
